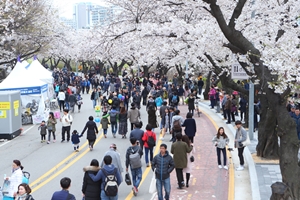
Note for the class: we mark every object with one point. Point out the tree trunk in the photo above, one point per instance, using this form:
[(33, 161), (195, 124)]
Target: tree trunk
[(267, 146), (145, 70), (207, 86)]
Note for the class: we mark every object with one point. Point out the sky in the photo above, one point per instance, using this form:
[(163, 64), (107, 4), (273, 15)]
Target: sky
[(66, 6)]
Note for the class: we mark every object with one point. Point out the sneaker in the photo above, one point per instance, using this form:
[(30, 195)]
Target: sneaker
[(41, 141), (114, 135), (104, 135), (133, 190), (54, 141), (225, 167), (220, 166), (48, 142), (147, 165), (161, 138), (76, 150), (136, 190), (240, 168), (62, 140)]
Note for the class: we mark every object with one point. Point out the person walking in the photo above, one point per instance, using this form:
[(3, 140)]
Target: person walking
[(43, 131), (133, 115), (24, 192), (108, 170), (114, 116), (14, 180), (91, 189), (191, 103), (189, 165), (190, 127), (163, 164), (179, 150), (116, 159), (220, 141), (152, 117), (75, 140), (64, 194), (148, 138), (104, 123), (61, 99), (51, 127), (137, 133), (212, 96), (79, 102), (72, 101), (240, 136), (123, 122), (66, 121), (227, 107), (133, 158), (94, 97), (92, 130), (166, 122)]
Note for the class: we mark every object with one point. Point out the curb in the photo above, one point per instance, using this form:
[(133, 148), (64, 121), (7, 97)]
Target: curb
[(251, 166)]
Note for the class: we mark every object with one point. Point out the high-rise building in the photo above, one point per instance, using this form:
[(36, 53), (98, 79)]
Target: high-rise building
[(82, 16), (69, 22)]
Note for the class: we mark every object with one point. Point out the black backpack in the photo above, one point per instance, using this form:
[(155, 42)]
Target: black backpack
[(116, 102), (151, 141), (113, 117), (110, 183)]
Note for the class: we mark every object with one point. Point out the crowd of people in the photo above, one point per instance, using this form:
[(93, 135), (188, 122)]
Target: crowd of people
[(121, 102)]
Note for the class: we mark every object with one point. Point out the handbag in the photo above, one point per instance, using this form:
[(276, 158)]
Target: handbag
[(50, 128), (152, 187), (247, 141), (192, 158), (127, 179)]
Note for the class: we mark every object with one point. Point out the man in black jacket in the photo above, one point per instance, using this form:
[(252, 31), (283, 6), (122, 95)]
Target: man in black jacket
[(163, 164)]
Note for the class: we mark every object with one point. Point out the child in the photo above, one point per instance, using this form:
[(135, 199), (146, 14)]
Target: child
[(220, 141), (104, 122), (75, 140), (43, 131)]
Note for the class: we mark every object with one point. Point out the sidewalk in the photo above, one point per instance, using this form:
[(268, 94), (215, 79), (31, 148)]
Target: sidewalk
[(207, 180), (262, 173)]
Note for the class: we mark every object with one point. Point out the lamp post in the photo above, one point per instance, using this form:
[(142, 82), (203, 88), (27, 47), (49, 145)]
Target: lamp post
[(187, 65)]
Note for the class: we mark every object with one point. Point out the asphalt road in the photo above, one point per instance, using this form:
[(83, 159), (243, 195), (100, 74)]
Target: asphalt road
[(48, 163)]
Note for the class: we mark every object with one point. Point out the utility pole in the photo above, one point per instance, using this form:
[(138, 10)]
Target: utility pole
[(251, 110)]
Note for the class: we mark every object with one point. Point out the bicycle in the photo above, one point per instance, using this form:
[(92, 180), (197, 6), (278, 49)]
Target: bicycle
[(26, 118)]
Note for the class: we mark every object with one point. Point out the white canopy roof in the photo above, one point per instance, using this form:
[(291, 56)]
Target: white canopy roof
[(21, 79), (37, 69)]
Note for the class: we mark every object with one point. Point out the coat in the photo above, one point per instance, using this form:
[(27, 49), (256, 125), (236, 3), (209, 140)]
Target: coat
[(92, 129), (116, 160), (164, 165), (152, 118), (179, 149), (145, 137), (52, 122), (191, 103), (104, 121), (133, 115), (91, 189), (190, 127), (15, 180)]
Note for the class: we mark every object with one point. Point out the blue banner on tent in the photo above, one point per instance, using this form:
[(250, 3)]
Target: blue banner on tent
[(29, 90)]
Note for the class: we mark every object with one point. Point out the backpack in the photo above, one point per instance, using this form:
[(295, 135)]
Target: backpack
[(135, 159), (174, 99), (177, 125), (151, 141), (116, 102), (110, 183), (25, 178), (113, 117)]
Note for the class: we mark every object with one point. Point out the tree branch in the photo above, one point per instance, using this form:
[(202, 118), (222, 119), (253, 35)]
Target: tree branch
[(236, 13)]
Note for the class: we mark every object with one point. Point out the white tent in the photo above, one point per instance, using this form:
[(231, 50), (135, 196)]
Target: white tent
[(43, 74), (21, 79)]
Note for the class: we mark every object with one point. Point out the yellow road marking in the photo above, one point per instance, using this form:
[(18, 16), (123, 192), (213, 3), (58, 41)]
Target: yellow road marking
[(147, 170), (231, 168), (37, 181), (65, 167)]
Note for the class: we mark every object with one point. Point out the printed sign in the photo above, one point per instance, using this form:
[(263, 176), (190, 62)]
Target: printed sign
[(16, 104), (4, 105), (2, 114), (237, 71)]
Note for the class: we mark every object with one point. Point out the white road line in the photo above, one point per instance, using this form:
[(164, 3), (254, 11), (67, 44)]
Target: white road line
[(5, 143)]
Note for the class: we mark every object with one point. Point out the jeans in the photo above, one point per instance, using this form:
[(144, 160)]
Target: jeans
[(241, 151), (114, 128), (159, 186), (49, 135), (228, 113), (104, 197), (94, 102), (64, 130), (104, 131), (136, 176), (146, 154), (219, 155), (212, 103), (218, 106), (67, 105), (179, 175), (61, 105)]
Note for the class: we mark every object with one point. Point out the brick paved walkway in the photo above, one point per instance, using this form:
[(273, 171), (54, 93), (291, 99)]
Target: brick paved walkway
[(207, 180)]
